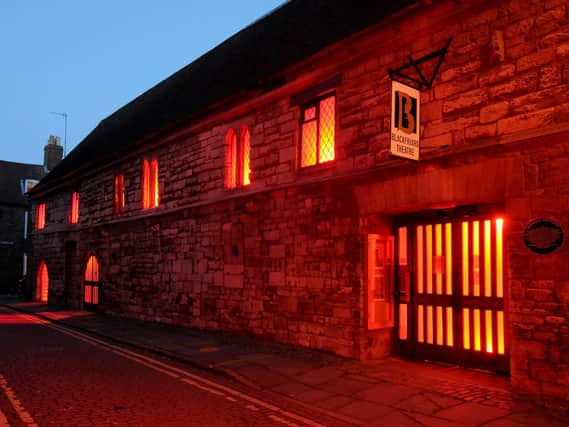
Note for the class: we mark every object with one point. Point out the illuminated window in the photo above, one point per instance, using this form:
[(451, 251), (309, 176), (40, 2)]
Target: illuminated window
[(74, 211), (317, 131), (237, 158), (42, 283), (40, 216), (380, 281), (91, 294), (119, 194), (150, 197)]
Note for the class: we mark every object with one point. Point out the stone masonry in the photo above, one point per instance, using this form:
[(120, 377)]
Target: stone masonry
[(283, 258)]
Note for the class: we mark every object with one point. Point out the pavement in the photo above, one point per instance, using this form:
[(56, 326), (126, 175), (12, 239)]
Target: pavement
[(388, 392)]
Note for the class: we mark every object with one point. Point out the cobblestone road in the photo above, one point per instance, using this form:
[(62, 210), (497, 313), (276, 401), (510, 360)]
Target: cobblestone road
[(51, 376)]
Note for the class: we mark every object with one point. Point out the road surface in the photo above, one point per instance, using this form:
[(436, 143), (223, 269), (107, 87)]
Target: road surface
[(54, 376)]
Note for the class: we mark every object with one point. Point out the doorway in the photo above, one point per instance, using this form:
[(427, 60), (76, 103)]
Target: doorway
[(42, 283), (450, 299), (70, 294), (91, 284)]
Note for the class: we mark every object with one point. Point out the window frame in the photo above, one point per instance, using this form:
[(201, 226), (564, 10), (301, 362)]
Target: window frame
[(27, 184), (236, 158), (40, 218), (315, 102), (73, 217), (150, 188), (118, 194)]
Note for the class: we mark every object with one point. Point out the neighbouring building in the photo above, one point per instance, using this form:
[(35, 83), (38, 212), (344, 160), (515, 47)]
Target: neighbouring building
[(16, 180), (255, 191)]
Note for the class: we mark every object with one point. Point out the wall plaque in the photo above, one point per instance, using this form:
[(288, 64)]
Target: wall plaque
[(543, 236)]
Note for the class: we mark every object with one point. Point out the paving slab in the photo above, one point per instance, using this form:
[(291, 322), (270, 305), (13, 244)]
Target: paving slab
[(536, 418), (443, 400), (345, 386), (314, 395), (263, 377), (335, 402), (386, 393), (472, 413), (418, 403), (291, 388), (319, 376), (432, 421), (367, 412)]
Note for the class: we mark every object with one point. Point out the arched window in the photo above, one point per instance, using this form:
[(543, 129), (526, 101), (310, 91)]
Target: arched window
[(237, 158), (119, 194), (150, 197), (74, 210), (231, 159), (91, 297), (42, 283), (40, 216), (245, 138)]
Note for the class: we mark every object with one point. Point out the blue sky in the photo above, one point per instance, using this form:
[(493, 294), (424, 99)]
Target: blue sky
[(88, 58)]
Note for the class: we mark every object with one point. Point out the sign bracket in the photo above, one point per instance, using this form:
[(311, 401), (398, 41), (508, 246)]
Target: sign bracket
[(414, 64)]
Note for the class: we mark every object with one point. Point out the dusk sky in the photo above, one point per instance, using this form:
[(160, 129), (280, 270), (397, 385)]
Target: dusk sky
[(88, 58)]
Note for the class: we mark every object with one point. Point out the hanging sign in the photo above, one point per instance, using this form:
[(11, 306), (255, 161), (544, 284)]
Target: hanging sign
[(405, 120)]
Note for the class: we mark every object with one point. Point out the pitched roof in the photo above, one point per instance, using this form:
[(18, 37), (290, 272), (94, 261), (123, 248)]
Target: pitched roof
[(11, 176), (292, 32)]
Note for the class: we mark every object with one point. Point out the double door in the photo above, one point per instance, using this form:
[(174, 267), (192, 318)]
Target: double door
[(450, 293)]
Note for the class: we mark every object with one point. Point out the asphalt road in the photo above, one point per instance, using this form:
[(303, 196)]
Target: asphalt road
[(52, 376)]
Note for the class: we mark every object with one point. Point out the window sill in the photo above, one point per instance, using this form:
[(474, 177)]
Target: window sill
[(238, 189), (317, 169)]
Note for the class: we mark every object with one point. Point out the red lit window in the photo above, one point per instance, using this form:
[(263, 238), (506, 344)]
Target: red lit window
[(40, 216), (317, 131), (42, 283), (238, 153), (91, 294), (150, 198), (119, 194), (74, 211)]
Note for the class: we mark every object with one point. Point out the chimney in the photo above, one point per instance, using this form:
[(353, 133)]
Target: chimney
[(52, 153)]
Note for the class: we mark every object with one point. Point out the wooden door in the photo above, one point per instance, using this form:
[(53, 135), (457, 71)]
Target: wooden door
[(450, 295)]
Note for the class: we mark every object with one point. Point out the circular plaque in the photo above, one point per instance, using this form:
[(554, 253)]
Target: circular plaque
[(543, 236)]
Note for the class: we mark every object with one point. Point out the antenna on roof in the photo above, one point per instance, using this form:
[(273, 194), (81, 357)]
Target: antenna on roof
[(64, 115)]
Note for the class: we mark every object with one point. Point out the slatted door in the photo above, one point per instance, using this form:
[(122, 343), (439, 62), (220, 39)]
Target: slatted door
[(451, 292)]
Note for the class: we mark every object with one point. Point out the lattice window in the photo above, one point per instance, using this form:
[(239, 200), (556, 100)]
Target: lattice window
[(150, 196), (318, 131), (74, 211), (237, 158)]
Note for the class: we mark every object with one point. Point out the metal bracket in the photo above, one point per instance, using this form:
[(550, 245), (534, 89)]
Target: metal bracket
[(414, 65)]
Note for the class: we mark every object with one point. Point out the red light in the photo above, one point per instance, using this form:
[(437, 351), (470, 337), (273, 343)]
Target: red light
[(42, 282), (74, 212)]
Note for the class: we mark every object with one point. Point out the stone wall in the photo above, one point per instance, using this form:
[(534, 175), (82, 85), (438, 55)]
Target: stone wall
[(283, 257)]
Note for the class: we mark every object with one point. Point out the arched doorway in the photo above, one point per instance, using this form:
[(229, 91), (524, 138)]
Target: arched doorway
[(91, 284), (42, 283)]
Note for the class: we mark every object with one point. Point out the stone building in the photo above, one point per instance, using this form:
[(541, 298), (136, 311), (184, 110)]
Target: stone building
[(16, 179), (254, 190)]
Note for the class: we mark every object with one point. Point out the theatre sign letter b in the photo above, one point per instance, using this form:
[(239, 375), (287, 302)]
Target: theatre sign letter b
[(405, 121)]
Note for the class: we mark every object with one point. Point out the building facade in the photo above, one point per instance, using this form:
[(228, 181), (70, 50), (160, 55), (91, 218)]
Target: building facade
[(266, 200), (16, 180)]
